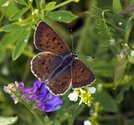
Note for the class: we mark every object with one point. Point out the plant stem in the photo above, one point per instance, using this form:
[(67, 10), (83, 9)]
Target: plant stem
[(39, 117), (62, 4)]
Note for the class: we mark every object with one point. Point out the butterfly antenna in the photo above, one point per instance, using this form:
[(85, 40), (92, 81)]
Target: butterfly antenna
[(72, 41)]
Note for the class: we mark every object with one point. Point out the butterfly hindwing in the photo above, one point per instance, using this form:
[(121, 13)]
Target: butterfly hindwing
[(44, 64), (46, 39), (60, 84), (81, 75)]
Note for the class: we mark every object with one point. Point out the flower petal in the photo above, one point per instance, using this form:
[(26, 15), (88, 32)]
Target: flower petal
[(33, 89), (44, 91), (21, 85), (73, 96)]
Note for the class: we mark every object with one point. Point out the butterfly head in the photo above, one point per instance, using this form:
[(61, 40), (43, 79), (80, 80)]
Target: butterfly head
[(74, 54)]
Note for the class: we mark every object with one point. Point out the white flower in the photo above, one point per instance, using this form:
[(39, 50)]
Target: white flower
[(8, 88), (87, 122), (5, 4), (120, 23), (73, 96), (91, 90)]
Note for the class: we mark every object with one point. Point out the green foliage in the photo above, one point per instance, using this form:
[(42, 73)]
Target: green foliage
[(62, 16), (9, 27), (117, 8), (21, 2), (104, 31), (21, 44), (50, 6), (86, 35), (106, 101), (105, 34), (119, 69), (17, 15)]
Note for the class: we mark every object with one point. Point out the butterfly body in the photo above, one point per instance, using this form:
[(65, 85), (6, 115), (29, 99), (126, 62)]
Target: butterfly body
[(66, 62), (56, 65)]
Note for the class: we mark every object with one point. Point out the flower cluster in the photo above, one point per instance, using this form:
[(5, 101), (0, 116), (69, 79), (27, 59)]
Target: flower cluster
[(38, 96), (85, 95)]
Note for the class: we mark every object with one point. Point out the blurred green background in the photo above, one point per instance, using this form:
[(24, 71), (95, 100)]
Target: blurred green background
[(103, 37)]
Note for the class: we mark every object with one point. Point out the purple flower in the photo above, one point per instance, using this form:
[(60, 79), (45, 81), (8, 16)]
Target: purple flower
[(41, 98), (38, 96)]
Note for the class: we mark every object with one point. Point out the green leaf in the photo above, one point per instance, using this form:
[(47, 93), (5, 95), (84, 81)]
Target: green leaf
[(62, 16), (106, 101), (119, 68), (18, 14), (2, 55), (7, 120), (104, 31), (131, 59), (8, 11), (117, 8), (9, 27), (11, 38), (120, 96), (37, 4), (56, 122), (50, 6), (128, 28), (22, 2), (21, 44)]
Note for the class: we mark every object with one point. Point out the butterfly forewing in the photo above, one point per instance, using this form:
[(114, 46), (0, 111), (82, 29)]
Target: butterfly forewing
[(44, 64), (46, 39), (81, 75), (60, 84)]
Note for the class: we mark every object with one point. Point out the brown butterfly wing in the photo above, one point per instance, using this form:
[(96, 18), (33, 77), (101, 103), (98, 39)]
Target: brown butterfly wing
[(60, 84), (44, 64), (47, 39), (81, 75)]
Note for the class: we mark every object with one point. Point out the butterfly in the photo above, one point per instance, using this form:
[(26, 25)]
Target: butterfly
[(55, 64)]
